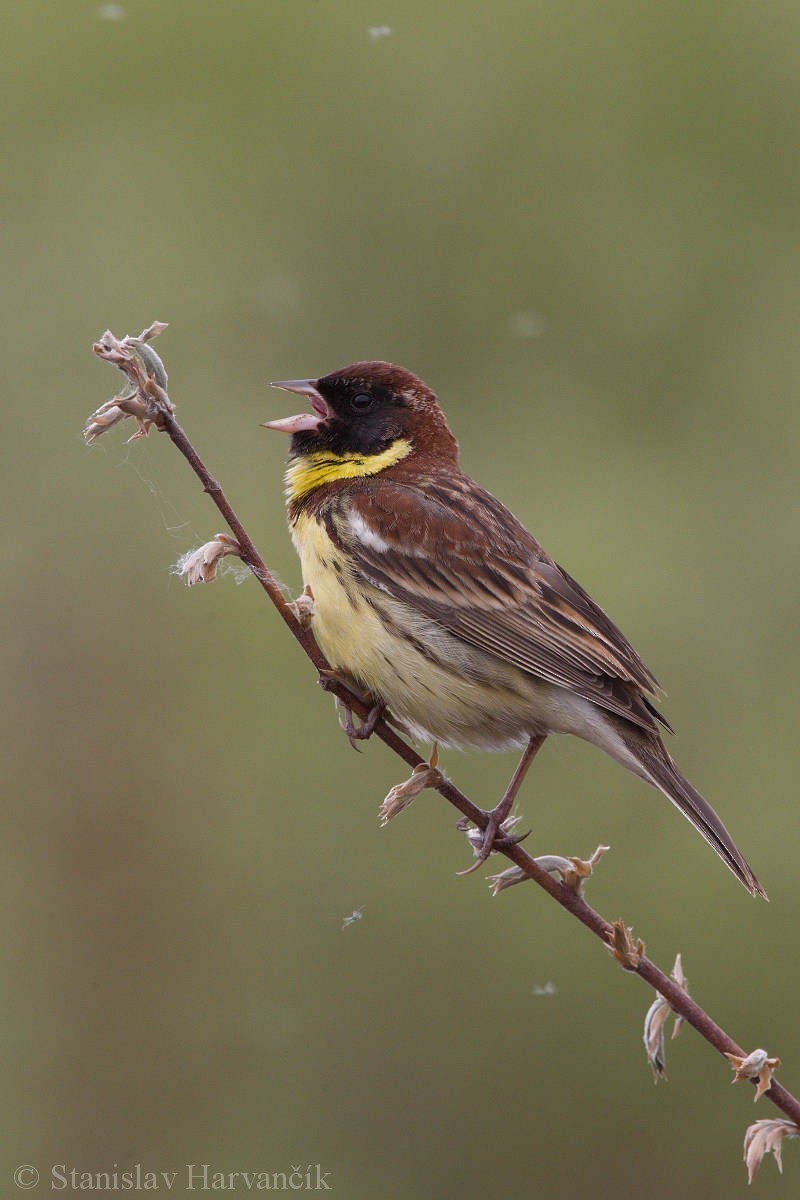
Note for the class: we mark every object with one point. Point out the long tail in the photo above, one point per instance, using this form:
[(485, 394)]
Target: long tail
[(660, 770)]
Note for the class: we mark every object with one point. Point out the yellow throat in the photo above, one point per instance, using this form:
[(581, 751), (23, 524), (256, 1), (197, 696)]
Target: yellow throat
[(311, 470)]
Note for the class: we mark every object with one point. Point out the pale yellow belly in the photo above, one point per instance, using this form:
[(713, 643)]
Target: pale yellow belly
[(439, 687)]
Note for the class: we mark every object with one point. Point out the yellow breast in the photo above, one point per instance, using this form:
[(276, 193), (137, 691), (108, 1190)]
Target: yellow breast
[(343, 622), (433, 682)]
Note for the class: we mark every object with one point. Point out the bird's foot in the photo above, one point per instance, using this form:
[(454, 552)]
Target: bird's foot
[(498, 834), (360, 733), (329, 681)]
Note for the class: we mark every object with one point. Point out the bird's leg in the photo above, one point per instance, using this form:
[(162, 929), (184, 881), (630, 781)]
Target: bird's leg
[(497, 815)]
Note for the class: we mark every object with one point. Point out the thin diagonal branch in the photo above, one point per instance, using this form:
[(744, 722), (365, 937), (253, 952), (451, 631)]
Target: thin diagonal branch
[(149, 403)]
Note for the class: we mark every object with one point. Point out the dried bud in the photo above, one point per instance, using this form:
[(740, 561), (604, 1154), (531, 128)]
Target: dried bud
[(423, 776), (766, 1137), (755, 1065), (303, 607), (145, 399), (102, 419), (506, 879), (683, 983), (573, 871), (125, 404), (152, 331), (654, 1023), (621, 944), (200, 565)]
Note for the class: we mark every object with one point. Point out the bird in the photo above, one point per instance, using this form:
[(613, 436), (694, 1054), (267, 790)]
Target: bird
[(435, 602)]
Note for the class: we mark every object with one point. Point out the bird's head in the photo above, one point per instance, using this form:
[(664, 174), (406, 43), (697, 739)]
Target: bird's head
[(365, 409)]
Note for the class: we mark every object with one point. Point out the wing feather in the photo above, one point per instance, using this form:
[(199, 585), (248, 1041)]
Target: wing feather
[(455, 554)]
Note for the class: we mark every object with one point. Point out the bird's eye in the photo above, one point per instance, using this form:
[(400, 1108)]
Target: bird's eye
[(361, 402)]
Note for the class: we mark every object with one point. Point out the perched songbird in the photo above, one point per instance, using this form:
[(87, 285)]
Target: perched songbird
[(441, 606)]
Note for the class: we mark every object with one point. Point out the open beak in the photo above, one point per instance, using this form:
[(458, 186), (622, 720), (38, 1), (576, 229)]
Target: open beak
[(306, 420)]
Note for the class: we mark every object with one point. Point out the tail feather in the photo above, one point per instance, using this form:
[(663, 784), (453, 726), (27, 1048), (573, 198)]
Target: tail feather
[(661, 771)]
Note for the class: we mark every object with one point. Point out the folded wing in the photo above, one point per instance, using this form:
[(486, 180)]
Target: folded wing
[(454, 553)]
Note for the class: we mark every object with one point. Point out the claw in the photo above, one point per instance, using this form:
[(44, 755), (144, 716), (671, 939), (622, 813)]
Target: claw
[(485, 842), (329, 680), (478, 862), (503, 843), (367, 727)]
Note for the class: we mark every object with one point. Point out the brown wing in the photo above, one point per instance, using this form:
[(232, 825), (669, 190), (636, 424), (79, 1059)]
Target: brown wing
[(454, 553)]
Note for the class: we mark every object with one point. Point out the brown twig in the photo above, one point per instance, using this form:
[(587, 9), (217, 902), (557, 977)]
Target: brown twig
[(149, 403)]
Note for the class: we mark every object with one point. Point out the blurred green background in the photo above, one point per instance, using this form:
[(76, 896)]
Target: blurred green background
[(579, 222)]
